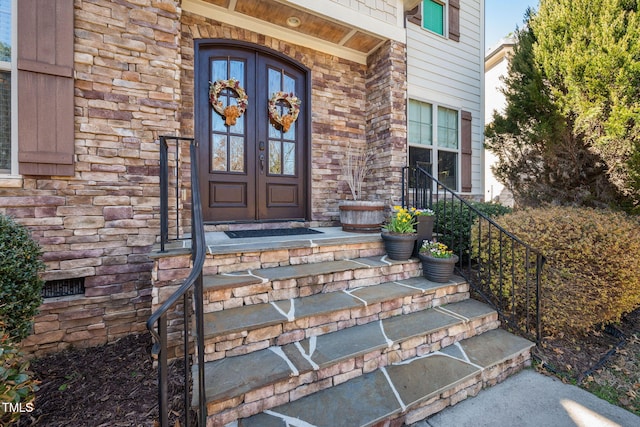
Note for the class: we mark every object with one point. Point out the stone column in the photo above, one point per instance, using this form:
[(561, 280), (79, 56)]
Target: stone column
[(386, 126)]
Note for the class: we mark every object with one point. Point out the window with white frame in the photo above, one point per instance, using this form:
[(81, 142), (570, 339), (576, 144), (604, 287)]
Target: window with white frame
[(434, 15), (434, 140), (5, 85)]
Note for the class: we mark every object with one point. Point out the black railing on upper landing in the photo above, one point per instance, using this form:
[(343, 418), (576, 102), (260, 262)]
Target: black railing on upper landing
[(191, 289), (500, 268)]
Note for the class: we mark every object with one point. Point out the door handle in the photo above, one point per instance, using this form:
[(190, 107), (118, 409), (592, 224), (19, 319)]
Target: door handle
[(261, 163)]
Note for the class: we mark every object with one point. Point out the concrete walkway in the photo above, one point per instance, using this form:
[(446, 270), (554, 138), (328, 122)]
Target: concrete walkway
[(530, 399)]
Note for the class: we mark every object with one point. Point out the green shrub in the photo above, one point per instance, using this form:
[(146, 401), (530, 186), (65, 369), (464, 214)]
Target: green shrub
[(455, 219), (591, 275), (17, 386), (20, 285)]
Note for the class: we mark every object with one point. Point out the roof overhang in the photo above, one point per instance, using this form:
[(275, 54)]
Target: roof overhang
[(310, 23)]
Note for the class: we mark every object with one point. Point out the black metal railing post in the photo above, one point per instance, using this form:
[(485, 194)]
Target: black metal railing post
[(192, 286), (164, 192), (163, 369)]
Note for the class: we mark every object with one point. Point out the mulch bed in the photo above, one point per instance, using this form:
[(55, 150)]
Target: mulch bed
[(116, 384), (112, 385)]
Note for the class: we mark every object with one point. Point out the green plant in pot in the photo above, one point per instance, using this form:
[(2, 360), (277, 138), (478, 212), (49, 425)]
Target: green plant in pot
[(438, 261), (359, 215), (399, 234)]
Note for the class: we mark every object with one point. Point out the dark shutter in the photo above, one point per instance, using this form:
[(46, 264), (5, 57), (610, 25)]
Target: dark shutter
[(454, 20), (465, 135), (45, 87)]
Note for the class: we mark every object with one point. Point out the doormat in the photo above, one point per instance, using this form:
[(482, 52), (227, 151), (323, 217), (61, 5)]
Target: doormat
[(239, 234)]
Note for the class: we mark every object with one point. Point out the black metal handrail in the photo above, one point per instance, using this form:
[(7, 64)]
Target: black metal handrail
[(499, 267), (192, 286)]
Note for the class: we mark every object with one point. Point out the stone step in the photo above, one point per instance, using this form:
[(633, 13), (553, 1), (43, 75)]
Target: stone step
[(244, 385), (226, 255), (405, 392), (249, 328), (332, 244), (240, 288)]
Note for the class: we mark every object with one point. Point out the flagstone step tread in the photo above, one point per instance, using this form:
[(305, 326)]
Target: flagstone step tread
[(243, 278), (388, 391), (233, 376), (255, 316), (328, 238), (216, 246)]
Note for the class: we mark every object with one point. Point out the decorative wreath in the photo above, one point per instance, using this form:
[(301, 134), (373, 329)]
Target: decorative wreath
[(230, 112), (287, 120)]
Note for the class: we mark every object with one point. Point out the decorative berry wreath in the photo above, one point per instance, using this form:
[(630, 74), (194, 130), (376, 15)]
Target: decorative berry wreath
[(230, 112), (287, 120)]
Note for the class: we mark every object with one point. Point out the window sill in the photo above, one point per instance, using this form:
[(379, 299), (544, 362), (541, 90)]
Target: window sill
[(10, 181)]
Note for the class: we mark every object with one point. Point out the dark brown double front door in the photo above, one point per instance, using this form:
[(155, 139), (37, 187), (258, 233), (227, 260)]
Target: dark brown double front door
[(251, 170)]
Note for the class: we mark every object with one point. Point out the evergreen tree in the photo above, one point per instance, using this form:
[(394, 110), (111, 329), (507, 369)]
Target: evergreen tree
[(590, 52), (540, 158)]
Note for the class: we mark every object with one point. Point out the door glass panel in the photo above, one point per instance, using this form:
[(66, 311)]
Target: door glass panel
[(274, 81), (273, 132), (228, 141), (289, 158), (219, 153), (236, 71), (288, 84), (217, 125), (218, 70), (282, 146), (237, 154), (275, 157)]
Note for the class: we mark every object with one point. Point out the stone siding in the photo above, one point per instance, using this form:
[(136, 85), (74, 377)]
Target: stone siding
[(134, 62), (101, 223), (387, 119)]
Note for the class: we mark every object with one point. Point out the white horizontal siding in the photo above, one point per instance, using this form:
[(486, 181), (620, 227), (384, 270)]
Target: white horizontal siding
[(381, 17), (449, 73)]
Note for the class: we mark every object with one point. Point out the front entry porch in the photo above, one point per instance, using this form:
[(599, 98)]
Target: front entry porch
[(324, 328)]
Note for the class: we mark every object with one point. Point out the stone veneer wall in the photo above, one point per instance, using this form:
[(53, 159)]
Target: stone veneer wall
[(101, 223), (134, 82), (387, 119)]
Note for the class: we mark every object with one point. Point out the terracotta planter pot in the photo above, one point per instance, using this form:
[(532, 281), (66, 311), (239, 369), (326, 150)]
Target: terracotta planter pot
[(438, 269), (361, 216), (399, 246)]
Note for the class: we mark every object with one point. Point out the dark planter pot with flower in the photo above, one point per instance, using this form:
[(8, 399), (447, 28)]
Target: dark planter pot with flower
[(438, 261), (424, 227), (399, 234)]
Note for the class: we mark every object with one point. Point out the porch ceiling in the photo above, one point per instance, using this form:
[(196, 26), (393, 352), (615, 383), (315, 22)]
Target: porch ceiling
[(303, 26)]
